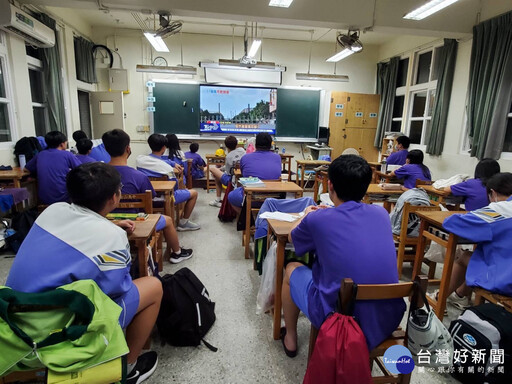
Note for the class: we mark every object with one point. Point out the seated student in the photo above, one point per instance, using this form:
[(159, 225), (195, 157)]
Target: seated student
[(413, 169), (174, 153), (224, 176), (77, 136), (490, 227), (84, 147), (51, 167), (62, 247), (198, 163), (399, 157), (473, 190), (339, 238), (155, 165), (117, 143), (98, 151), (263, 163)]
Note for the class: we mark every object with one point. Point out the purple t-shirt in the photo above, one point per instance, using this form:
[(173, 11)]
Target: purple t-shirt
[(51, 167), (340, 238), (197, 164), (84, 159), (134, 181), (100, 153), (474, 193), (397, 158), (410, 173), (263, 164)]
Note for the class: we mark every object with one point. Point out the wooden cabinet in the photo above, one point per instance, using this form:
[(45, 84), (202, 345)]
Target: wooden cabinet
[(353, 123)]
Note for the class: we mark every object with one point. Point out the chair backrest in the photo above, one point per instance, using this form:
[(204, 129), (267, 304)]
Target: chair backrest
[(411, 209), (350, 151), (143, 201), (159, 178), (378, 291), (420, 182)]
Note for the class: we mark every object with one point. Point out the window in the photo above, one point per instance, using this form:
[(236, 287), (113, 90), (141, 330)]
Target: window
[(84, 111), (6, 113), (37, 90), (507, 145), (398, 106)]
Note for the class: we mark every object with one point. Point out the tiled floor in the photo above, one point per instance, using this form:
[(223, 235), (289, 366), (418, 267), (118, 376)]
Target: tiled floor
[(247, 353)]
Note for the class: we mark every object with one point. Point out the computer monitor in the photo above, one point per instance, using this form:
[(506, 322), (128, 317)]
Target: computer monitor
[(323, 135)]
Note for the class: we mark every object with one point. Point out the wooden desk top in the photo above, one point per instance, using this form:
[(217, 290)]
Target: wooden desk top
[(275, 186), (376, 189), (437, 217), (162, 186), (287, 155), (374, 163), (434, 191), (143, 229), (313, 162), (280, 228), (214, 156), (15, 173)]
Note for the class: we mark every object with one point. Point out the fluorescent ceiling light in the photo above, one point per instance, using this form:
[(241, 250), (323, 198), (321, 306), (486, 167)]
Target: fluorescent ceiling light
[(254, 47), (280, 3), (321, 77), (340, 55), (156, 42), (235, 65), (428, 9), (179, 70)]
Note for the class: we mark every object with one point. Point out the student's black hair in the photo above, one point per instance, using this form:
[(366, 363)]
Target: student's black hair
[(194, 147), (54, 139), (231, 142), (350, 176), (156, 142), (501, 183), (485, 169), (416, 157), (115, 142), (174, 145), (78, 135), (84, 146), (91, 185), (263, 141), (404, 140)]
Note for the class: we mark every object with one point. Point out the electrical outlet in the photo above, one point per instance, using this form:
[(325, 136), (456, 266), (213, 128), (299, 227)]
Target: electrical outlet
[(141, 128), (146, 128)]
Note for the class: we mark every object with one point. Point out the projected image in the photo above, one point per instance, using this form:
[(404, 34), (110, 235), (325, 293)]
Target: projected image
[(238, 110)]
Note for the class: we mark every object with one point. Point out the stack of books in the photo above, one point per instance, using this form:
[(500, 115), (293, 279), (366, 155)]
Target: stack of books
[(251, 182)]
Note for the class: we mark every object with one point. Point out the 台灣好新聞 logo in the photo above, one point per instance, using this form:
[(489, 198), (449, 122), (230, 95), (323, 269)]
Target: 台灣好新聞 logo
[(398, 359)]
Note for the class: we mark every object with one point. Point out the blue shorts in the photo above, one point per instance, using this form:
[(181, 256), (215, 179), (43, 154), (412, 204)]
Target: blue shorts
[(225, 179), (129, 304), (236, 197), (160, 224), (300, 283), (181, 195)]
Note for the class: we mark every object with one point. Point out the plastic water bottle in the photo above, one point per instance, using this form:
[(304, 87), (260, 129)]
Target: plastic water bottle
[(23, 161), (384, 166), (283, 150)]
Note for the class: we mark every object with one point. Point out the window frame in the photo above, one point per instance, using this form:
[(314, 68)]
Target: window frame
[(34, 64), (9, 99)]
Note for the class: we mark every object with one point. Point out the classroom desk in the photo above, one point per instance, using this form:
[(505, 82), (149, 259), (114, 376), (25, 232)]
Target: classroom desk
[(439, 196), (280, 229), (238, 175), (270, 187), (143, 234), (286, 161), (16, 174), (212, 160), (375, 166), (434, 220), (386, 177), (376, 189), (320, 178), (167, 189), (303, 165)]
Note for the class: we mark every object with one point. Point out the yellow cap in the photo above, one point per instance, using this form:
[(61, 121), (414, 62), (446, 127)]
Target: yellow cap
[(219, 152)]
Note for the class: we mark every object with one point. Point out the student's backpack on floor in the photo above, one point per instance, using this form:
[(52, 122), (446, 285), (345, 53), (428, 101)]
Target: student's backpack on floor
[(28, 146), (477, 333), (226, 211), (186, 313)]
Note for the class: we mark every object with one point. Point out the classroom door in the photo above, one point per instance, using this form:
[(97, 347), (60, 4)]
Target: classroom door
[(107, 112)]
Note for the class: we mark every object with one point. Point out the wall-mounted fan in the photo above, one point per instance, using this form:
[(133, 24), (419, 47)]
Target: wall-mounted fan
[(350, 41), (167, 27)]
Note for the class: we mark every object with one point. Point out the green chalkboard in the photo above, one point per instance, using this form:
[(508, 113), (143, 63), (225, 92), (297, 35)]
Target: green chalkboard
[(176, 108), (297, 113)]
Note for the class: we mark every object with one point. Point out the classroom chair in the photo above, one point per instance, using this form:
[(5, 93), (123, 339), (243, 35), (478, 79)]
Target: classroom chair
[(144, 202), (176, 209), (406, 245), (398, 337), (482, 295)]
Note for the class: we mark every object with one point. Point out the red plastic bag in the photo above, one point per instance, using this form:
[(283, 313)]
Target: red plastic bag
[(226, 212)]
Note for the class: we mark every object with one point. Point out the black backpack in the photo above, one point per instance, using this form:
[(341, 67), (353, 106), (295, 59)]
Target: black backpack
[(186, 313), (483, 328), (28, 146)]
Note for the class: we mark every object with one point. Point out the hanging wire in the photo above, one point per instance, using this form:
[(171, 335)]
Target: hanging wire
[(310, 49), (261, 47), (232, 41), (335, 50), (181, 49)]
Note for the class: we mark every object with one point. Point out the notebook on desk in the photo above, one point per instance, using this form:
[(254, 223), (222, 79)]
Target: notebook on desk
[(251, 182)]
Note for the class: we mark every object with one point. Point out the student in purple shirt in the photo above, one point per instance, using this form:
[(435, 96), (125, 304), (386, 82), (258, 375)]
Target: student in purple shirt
[(198, 163), (473, 190), (84, 146), (399, 157), (117, 144), (339, 238), (413, 169), (51, 167), (98, 151), (262, 163)]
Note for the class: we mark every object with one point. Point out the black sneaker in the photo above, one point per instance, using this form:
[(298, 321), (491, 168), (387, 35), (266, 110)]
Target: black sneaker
[(184, 255), (145, 366)]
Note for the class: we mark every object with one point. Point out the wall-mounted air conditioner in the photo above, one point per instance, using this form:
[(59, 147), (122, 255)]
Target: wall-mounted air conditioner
[(13, 20)]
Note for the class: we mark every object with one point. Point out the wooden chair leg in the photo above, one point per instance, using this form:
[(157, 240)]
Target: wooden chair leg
[(400, 258), (431, 270), (479, 299)]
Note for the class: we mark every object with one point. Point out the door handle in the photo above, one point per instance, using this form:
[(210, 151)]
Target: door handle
[(344, 136)]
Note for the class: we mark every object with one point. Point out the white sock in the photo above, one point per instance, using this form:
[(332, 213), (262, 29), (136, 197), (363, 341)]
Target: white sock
[(183, 221), (178, 252), (219, 199), (129, 367)]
